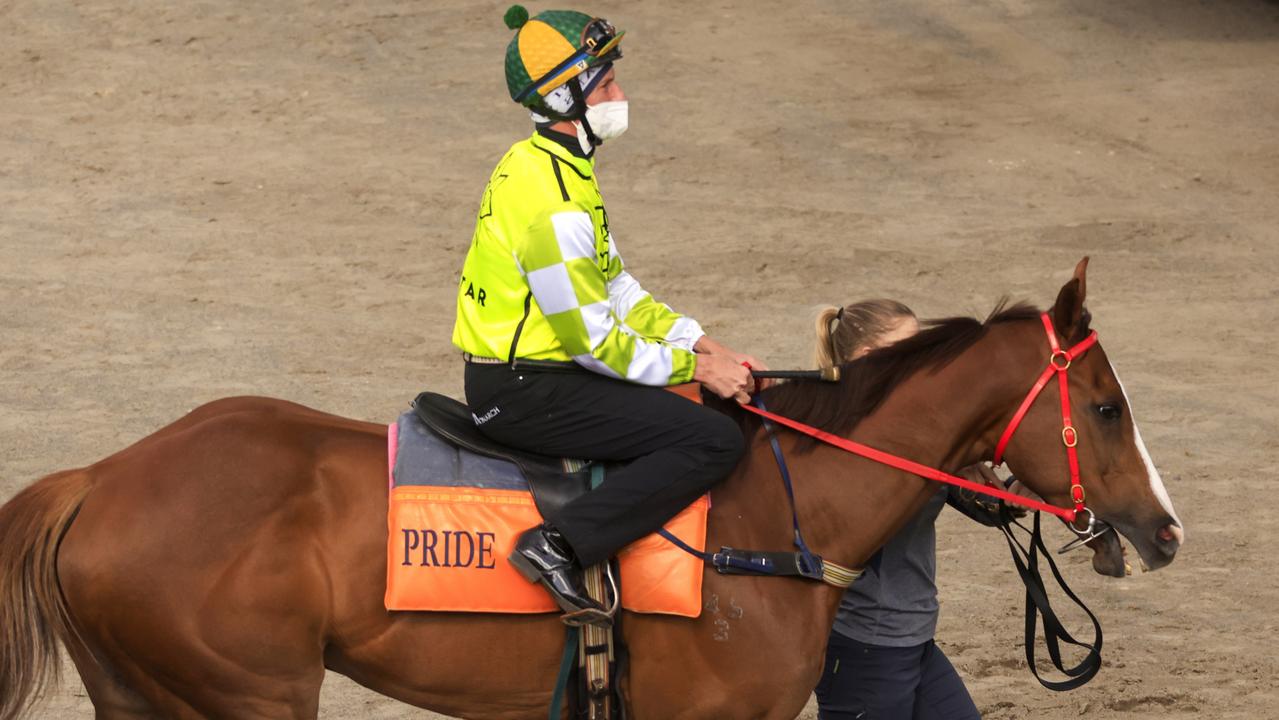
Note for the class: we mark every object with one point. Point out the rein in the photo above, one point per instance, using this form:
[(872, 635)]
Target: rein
[(911, 466), (1026, 558), (1058, 363)]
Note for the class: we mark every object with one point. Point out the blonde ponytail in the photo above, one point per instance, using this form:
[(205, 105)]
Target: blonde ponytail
[(841, 332), (824, 353)]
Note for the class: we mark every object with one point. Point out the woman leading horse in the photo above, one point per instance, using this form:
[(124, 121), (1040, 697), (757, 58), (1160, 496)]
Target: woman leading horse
[(882, 662), (217, 567)]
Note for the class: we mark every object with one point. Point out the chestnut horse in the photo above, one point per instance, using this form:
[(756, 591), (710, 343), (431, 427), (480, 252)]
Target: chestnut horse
[(219, 566)]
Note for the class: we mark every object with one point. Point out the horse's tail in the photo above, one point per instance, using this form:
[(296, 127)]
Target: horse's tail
[(33, 612)]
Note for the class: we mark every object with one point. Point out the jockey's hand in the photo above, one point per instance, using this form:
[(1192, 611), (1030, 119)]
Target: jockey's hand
[(744, 359), (752, 363), (724, 376), (709, 346)]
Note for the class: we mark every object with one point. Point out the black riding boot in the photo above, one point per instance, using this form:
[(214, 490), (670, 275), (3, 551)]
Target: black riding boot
[(543, 555)]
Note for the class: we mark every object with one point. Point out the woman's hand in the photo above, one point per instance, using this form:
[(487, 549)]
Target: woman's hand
[(983, 473), (983, 508), (1015, 487)]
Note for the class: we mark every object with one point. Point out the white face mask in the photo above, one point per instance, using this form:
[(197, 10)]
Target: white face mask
[(608, 120)]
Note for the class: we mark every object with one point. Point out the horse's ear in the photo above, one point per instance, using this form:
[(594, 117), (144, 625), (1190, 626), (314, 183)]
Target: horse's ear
[(1068, 311)]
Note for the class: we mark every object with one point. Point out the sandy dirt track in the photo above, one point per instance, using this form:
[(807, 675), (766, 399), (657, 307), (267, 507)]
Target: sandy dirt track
[(207, 199)]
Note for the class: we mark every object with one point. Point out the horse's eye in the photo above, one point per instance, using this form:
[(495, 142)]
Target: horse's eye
[(1109, 411)]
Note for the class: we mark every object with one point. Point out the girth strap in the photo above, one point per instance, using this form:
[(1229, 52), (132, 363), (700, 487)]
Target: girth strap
[(731, 561), (782, 564), (756, 562)]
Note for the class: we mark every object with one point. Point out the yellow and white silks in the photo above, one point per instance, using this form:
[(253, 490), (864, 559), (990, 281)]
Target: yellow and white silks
[(543, 279)]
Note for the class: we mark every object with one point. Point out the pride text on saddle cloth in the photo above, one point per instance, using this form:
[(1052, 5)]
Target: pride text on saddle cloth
[(448, 548)]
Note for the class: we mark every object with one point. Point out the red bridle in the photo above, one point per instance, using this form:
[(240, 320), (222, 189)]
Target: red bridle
[(1058, 363)]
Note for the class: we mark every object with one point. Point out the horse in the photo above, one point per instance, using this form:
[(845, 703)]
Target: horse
[(219, 566)]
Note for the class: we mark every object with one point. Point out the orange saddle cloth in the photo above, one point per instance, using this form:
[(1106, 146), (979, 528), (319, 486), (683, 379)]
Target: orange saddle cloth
[(454, 517)]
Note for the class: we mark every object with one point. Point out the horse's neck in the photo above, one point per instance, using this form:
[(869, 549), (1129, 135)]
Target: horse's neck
[(946, 417), (849, 507)]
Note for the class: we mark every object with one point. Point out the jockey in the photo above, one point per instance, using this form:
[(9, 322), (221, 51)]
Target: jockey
[(565, 352)]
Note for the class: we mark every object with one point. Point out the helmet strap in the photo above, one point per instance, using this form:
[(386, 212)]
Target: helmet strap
[(579, 115)]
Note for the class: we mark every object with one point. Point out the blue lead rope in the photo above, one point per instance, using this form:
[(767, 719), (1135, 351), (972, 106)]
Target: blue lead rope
[(807, 563), (566, 667)]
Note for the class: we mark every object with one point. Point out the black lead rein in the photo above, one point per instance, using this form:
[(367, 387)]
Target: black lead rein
[(1027, 562)]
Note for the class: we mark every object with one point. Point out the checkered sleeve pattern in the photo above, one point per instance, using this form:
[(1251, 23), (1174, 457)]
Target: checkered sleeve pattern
[(573, 293), (641, 313)]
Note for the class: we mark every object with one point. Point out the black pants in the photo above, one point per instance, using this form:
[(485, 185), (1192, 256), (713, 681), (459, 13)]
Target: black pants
[(676, 449), (872, 682)]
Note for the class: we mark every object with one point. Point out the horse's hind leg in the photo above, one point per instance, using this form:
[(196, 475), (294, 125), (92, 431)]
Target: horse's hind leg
[(112, 700), (174, 645), (124, 687)]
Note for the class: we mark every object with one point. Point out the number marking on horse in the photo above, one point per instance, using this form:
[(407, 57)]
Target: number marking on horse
[(722, 626)]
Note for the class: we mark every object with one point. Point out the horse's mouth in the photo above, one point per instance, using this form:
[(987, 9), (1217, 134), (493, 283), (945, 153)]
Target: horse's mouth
[(1108, 555), (1154, 549)]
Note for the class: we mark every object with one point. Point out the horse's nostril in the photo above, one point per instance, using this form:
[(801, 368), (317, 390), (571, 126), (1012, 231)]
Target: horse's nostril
[(1168, 538)]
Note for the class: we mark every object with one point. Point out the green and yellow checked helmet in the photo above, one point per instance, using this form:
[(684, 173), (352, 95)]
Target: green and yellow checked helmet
[(552, 48)]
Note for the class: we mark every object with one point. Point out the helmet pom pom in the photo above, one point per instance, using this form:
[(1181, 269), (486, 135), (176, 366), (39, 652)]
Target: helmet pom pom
[(515, 17)]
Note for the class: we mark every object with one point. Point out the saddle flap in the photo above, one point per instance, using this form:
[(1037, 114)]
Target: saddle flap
[(552, 483)]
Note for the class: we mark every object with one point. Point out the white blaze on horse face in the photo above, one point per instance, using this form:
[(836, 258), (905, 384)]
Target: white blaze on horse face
[(1156, 482)]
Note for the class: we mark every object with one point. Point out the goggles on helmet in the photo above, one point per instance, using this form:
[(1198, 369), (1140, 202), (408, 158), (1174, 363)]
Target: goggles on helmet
[(599, 45)]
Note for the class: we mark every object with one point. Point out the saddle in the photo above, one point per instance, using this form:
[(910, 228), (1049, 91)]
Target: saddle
[(553, 481)]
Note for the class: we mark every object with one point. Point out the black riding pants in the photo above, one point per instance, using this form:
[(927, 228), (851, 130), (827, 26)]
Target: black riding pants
[(674, 449)]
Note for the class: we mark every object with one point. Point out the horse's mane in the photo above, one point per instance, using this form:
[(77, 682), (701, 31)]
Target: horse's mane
[(865, 382)]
